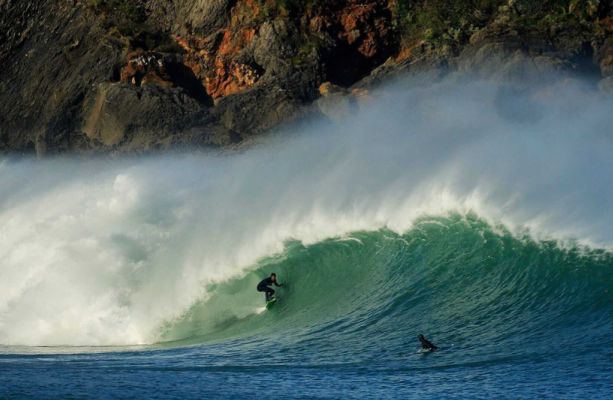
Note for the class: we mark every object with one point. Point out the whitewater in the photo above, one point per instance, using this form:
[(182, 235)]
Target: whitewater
[(476, 213)]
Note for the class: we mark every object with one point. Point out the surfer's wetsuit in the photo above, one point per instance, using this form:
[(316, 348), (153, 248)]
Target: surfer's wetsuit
[(425, 344), (263, 287)]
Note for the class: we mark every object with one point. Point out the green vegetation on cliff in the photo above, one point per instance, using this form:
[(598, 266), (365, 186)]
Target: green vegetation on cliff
[(454, 21), (442, 20)]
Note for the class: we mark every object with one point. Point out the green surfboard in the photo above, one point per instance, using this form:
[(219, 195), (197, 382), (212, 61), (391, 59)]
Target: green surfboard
[(270, 303)]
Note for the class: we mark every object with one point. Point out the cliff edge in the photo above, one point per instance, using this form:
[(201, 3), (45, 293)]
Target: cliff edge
[(130, 76)]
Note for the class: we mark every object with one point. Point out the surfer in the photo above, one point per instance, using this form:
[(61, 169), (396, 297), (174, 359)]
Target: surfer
[(425, 344), (264, 286)]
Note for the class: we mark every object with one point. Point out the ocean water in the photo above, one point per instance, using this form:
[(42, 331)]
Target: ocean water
[(478, 216)]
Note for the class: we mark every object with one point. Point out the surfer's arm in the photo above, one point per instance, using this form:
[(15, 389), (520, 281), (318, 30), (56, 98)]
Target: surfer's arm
[(277, 284)]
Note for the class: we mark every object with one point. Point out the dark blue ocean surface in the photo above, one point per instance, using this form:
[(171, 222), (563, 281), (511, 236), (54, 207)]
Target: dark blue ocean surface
[(197, 373)]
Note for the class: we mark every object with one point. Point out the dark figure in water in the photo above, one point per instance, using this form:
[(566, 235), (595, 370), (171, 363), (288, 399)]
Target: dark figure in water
[(263, 286), (425, 344)]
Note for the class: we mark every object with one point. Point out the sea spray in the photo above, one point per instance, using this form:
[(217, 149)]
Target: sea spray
[(110, 252)]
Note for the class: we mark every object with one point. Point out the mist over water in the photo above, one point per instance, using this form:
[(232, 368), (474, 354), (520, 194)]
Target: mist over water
[(110, 252)]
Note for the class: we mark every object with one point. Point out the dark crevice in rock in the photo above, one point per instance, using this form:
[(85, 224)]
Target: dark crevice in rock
[(346, 65), (184, 77)]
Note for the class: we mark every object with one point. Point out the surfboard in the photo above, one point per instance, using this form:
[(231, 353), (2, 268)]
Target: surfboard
[(271, 302)]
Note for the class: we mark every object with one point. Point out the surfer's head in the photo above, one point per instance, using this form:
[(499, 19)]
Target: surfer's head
[(273, 276), (421, 337)]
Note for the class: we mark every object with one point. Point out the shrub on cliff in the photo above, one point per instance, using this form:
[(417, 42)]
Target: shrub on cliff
[(453, 21), (442, 20)]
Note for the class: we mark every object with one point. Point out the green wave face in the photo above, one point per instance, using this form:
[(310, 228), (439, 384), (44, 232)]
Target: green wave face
[(463, 283)]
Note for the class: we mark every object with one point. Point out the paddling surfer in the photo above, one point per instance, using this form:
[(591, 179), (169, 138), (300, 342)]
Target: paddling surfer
[(425, 344)]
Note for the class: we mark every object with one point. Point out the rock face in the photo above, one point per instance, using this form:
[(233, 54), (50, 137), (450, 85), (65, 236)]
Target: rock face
[(129, 76)]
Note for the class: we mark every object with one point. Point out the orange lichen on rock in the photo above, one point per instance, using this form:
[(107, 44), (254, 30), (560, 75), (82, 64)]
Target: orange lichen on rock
[(145, 67), (198, 54), (226, 75), (404, 52), (213, 59), (230, 79), (329, 88), (365, 25), (182, 42)]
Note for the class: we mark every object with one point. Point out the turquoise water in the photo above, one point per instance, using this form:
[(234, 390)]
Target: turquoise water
[(435, 211)]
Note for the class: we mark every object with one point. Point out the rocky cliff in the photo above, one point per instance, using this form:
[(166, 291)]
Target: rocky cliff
[(122, 76)]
